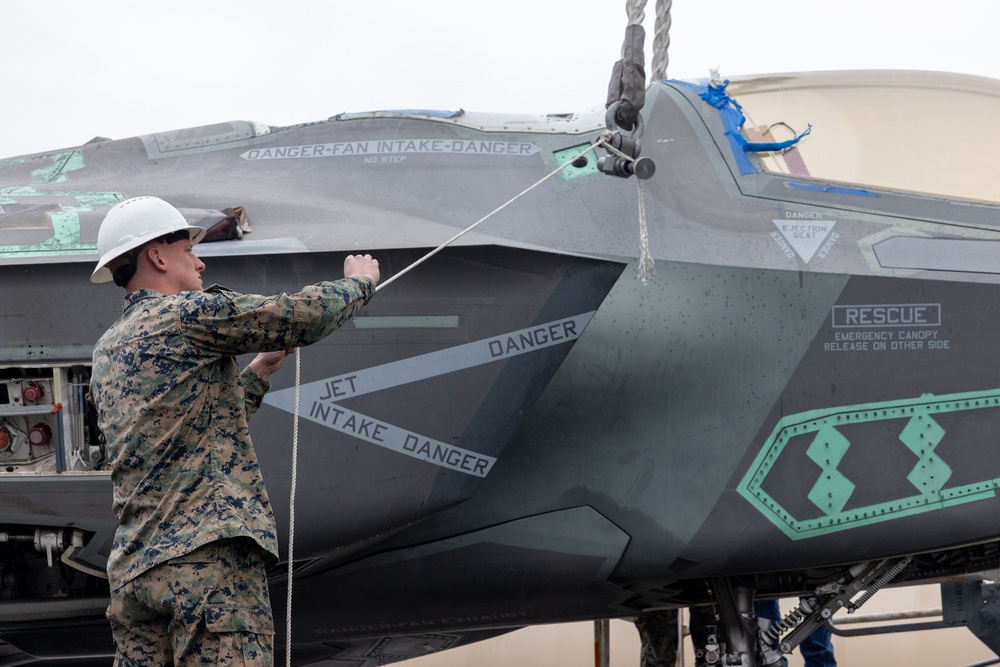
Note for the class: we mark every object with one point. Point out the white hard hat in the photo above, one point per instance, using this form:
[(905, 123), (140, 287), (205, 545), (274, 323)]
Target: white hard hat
[(133, 223)]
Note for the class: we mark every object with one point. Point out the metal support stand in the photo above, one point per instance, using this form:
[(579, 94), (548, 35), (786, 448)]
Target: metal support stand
[(602, 642)]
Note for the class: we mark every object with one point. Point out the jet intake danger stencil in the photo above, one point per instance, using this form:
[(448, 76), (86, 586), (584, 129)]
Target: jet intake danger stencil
[(319, 400)]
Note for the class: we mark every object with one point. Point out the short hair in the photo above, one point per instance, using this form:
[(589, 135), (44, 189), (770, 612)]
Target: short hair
[(126, 265)]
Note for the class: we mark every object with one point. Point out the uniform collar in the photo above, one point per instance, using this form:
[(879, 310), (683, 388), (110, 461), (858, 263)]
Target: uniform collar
[(135, 297)]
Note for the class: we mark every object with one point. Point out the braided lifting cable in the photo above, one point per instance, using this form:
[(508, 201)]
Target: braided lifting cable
[(636, 10), (636, 14), (661, 40), (632, 64), (298, 382)]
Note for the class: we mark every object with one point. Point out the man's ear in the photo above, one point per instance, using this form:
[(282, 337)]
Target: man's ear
[(156, 258)]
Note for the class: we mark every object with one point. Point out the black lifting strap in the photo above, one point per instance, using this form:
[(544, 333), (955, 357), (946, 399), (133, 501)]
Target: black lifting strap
[(628, 79)]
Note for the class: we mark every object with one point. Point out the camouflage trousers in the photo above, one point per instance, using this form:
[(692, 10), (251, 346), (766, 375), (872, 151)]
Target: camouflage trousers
[(209, 607), (659, 638)]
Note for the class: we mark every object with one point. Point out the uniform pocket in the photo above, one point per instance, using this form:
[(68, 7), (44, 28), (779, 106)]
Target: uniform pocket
[(238, 618), (244, 633)]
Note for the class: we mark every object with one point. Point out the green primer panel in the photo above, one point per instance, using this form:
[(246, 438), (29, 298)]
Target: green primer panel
[(66, 236), (833, 489), (570, 154)]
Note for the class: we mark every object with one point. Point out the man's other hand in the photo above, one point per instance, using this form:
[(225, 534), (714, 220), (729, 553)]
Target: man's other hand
[(361, 265), (266, 363)]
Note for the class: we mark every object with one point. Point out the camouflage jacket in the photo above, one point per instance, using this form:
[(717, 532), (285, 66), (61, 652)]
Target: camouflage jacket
[(173, 407)]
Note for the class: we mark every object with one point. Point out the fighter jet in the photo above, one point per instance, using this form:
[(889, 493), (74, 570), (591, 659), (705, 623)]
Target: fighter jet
[(741, 350)]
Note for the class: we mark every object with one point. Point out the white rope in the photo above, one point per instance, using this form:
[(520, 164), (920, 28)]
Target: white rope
[(646, 268), (291, 510), (644, 248), (298, 384), (487, 216)]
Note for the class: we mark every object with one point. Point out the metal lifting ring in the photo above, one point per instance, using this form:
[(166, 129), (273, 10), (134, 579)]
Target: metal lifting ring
[(612, 123)]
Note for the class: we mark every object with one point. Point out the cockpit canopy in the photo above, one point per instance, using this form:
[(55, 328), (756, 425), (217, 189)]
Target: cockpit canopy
[(927, 132)]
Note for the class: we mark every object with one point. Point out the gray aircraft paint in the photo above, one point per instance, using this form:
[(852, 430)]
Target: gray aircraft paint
[(318, 399), (634, 439)]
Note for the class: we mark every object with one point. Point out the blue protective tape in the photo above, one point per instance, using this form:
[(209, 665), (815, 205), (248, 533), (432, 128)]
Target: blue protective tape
[(826, 188), (773, 146), (731, 114)]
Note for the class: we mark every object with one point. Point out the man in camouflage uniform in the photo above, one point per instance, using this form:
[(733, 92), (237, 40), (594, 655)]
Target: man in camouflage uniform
[(187, 569), (659, 639)]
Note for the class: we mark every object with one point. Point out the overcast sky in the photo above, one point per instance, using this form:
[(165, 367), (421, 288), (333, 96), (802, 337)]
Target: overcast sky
[(118, 68)]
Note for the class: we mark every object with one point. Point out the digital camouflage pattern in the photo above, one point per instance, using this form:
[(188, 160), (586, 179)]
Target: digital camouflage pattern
[(208, 607), (174, 409), (659, 639)]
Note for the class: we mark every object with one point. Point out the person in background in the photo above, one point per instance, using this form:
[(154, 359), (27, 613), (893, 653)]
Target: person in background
[(816, 649), (658, 634)]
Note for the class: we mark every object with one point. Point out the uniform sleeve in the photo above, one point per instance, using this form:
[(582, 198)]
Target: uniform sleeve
[(254, 388), (229, 323)]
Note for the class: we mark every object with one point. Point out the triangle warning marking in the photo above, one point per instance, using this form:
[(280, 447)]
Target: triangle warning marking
[(805, 236)]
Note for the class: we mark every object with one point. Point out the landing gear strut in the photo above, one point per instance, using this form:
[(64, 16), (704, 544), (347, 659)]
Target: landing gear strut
[(734, 600), (746, 642)]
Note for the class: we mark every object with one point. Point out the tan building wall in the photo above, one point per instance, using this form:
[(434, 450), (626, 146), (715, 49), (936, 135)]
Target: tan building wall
[(572, 644)]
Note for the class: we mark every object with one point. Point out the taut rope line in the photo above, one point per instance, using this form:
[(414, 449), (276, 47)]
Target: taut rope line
[(489, 215), (291, 513), (600, 142)]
